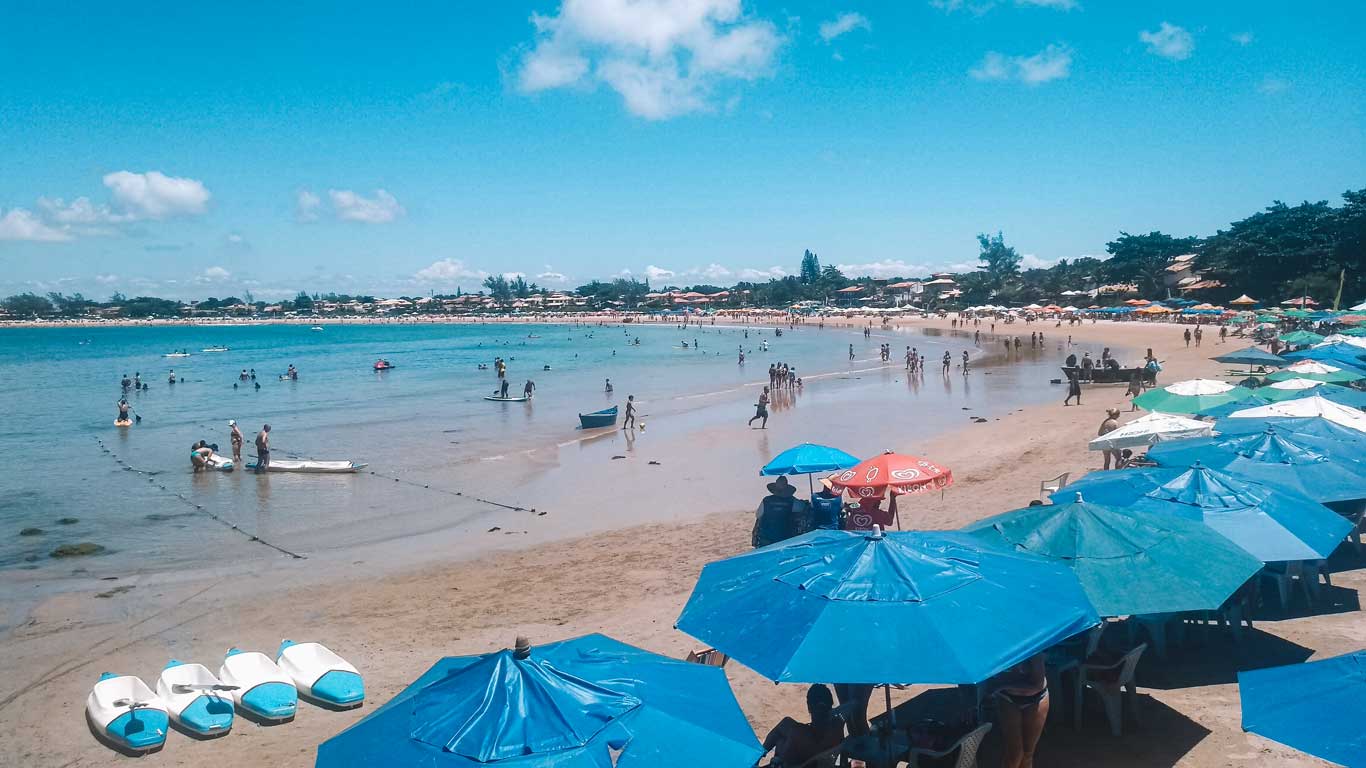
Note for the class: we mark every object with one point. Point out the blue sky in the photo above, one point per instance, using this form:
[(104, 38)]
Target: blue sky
[(413, 147)]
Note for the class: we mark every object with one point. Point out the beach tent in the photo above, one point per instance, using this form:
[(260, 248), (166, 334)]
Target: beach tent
[(1309, 406), (868, 607), (1272, 523), (1274, 458), (590, 702), (1130, 562), (1190, 396), (1150, 429), (1318, 371), (1298, 338), (1250, 356), (1317, 707)]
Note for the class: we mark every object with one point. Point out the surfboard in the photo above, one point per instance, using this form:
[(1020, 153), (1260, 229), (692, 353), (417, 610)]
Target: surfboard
[(506, 399), (123, 422)]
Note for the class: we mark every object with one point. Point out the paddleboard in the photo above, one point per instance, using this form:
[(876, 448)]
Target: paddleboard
[(506, 399), (123, 423)]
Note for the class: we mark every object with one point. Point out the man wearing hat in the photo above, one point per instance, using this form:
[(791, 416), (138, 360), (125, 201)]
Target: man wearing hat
[(235, 436), (1110, 424), (780, 515)]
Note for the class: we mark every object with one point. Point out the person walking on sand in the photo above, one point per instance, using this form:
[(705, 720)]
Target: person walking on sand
[(851, 349), (947, 362), (235, 437), (1223, 333), (760, 410), (1135, 389), (1110, 424), (1187, 335), (263, 449), (1073, 388), (630, 420), (965, 362)]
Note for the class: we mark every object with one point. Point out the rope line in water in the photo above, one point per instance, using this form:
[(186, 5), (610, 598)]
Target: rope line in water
[(198, 507), (460, 494)]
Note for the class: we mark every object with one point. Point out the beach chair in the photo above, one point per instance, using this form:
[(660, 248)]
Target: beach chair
[(1111, 682), (708, 657), (830, 758), (1053, 484), (966, 748)]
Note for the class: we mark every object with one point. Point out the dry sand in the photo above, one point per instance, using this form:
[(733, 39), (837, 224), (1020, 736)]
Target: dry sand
[(632, 583)]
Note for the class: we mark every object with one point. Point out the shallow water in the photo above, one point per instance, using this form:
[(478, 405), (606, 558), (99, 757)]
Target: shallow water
[(424, 422)]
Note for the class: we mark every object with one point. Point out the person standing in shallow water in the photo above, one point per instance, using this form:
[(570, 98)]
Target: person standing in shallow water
[(630, 420)]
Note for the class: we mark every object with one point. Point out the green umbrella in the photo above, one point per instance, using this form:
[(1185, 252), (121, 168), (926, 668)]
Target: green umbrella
[(1354, 331), (1301, 337), (1296, 313), (1191, 396), (1316, 371)]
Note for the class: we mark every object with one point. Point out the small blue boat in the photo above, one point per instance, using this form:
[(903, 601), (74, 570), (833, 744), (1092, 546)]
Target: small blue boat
[(604, 418)]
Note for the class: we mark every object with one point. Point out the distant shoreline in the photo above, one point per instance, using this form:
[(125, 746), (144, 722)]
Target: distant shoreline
[(403, 320)]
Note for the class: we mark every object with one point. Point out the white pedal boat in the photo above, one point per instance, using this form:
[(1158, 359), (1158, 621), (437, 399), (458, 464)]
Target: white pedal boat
[(126, 713), (195, 699), (309, 466), (321, 675), (262, 688), (220, 462)]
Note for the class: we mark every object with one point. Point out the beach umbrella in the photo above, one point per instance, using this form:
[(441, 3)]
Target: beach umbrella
[(876, 608), (1251, 356), (1316, 370), (1293, 389), (900, 473), (1274, 458), (1323, 435), (1309, 406), (1128, 561), (571, 704), (1300, 337), (1272, 523), (1244, 300), (1150, 429), (1317, 707), (808, 458), (1336, 353), (1190, 396), (1354, 332), (1350, 340), (1224, 410)]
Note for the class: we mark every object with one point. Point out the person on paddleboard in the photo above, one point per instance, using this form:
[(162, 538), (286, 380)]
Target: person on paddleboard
[(503, 389), (124, 408)]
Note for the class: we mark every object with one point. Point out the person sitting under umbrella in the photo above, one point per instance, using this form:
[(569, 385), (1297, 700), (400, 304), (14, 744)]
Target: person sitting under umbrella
[(780, 515), (827, 506), (869, 512), (794, 743)]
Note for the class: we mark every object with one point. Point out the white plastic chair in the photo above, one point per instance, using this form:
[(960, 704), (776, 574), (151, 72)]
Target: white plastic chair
[(1053, 484), (1111, 682), (966, 747), (1286, 579)]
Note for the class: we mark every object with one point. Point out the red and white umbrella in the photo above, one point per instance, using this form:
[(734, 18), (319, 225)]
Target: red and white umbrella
[(899, 473)]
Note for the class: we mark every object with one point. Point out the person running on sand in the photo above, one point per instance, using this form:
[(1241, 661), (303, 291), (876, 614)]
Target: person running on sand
[(1110, 424), (630, 420), (760, 410), (235, 437)]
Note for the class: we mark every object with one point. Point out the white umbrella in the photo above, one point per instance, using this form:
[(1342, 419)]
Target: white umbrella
[(1198, 387), (1152, 428), (1314, 405), (1295, 384), (1338, 338), (1360, 307)]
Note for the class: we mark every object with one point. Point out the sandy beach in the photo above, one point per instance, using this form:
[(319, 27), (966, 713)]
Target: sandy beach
[(630, 582)]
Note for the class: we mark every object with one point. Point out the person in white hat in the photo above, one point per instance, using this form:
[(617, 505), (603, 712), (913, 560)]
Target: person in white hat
[(236, 437)]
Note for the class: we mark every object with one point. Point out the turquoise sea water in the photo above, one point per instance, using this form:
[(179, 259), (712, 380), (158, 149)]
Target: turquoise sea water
[(131, 490)]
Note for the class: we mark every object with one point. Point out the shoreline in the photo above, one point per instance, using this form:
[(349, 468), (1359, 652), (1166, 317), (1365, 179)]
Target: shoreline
[(627, 581)]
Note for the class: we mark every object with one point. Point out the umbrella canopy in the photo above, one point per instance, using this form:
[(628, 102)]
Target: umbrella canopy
[(1293, 389), (807, 458), (1309, 406), (877, 608), (901, 473), (1300, 337), (1223, 410), (1149, 429), (1128, 561), (1273, 525), (1251, 356), (1316, 370), (1316, 707), (568, 705), (1337, 353), (1277, 459), (1244, 300), (1319, 433), (1190, 396)]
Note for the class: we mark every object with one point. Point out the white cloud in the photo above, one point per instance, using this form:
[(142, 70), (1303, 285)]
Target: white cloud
[(1052, 63), (1061, 5), (551, 276), (306, 205), (234, 238), (448, 271), (979, 7), (80, 212), (154, 195), (1242, 38), (350, 206), (1031, 261), (762, 274), (106, 279), (883, 269), (213, 275), (1169, 41), (843, 24), (1273, 85), (21, 224), (663, 57), (713, 272), (654, 273)]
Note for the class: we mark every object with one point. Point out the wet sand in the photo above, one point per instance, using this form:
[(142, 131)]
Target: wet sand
[(628, 581)]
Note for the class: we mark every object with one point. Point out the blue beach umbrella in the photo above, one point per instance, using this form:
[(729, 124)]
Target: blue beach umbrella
[(1250, 356), (1223, 410), (1272, 523), (1326, 436), (1128, 561), (883, 608), (590, 702), (1318, 707), (1276, 459), (808, 458), (1340, 353)]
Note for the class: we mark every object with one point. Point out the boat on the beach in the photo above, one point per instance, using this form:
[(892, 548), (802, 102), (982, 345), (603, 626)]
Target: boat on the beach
[(262, 688), (126, 713), (321, 675), (604, 418), (309, 466), (196, 700), (497, 399), (1102, 375), (214, 349)]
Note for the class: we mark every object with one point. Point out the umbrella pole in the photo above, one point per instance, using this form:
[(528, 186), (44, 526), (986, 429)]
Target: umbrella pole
[(891, 713)]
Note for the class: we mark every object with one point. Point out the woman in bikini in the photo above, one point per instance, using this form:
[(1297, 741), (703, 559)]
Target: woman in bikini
[(1021, 695)]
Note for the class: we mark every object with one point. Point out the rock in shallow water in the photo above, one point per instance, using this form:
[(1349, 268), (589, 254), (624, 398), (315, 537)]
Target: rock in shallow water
[(77, 550)]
